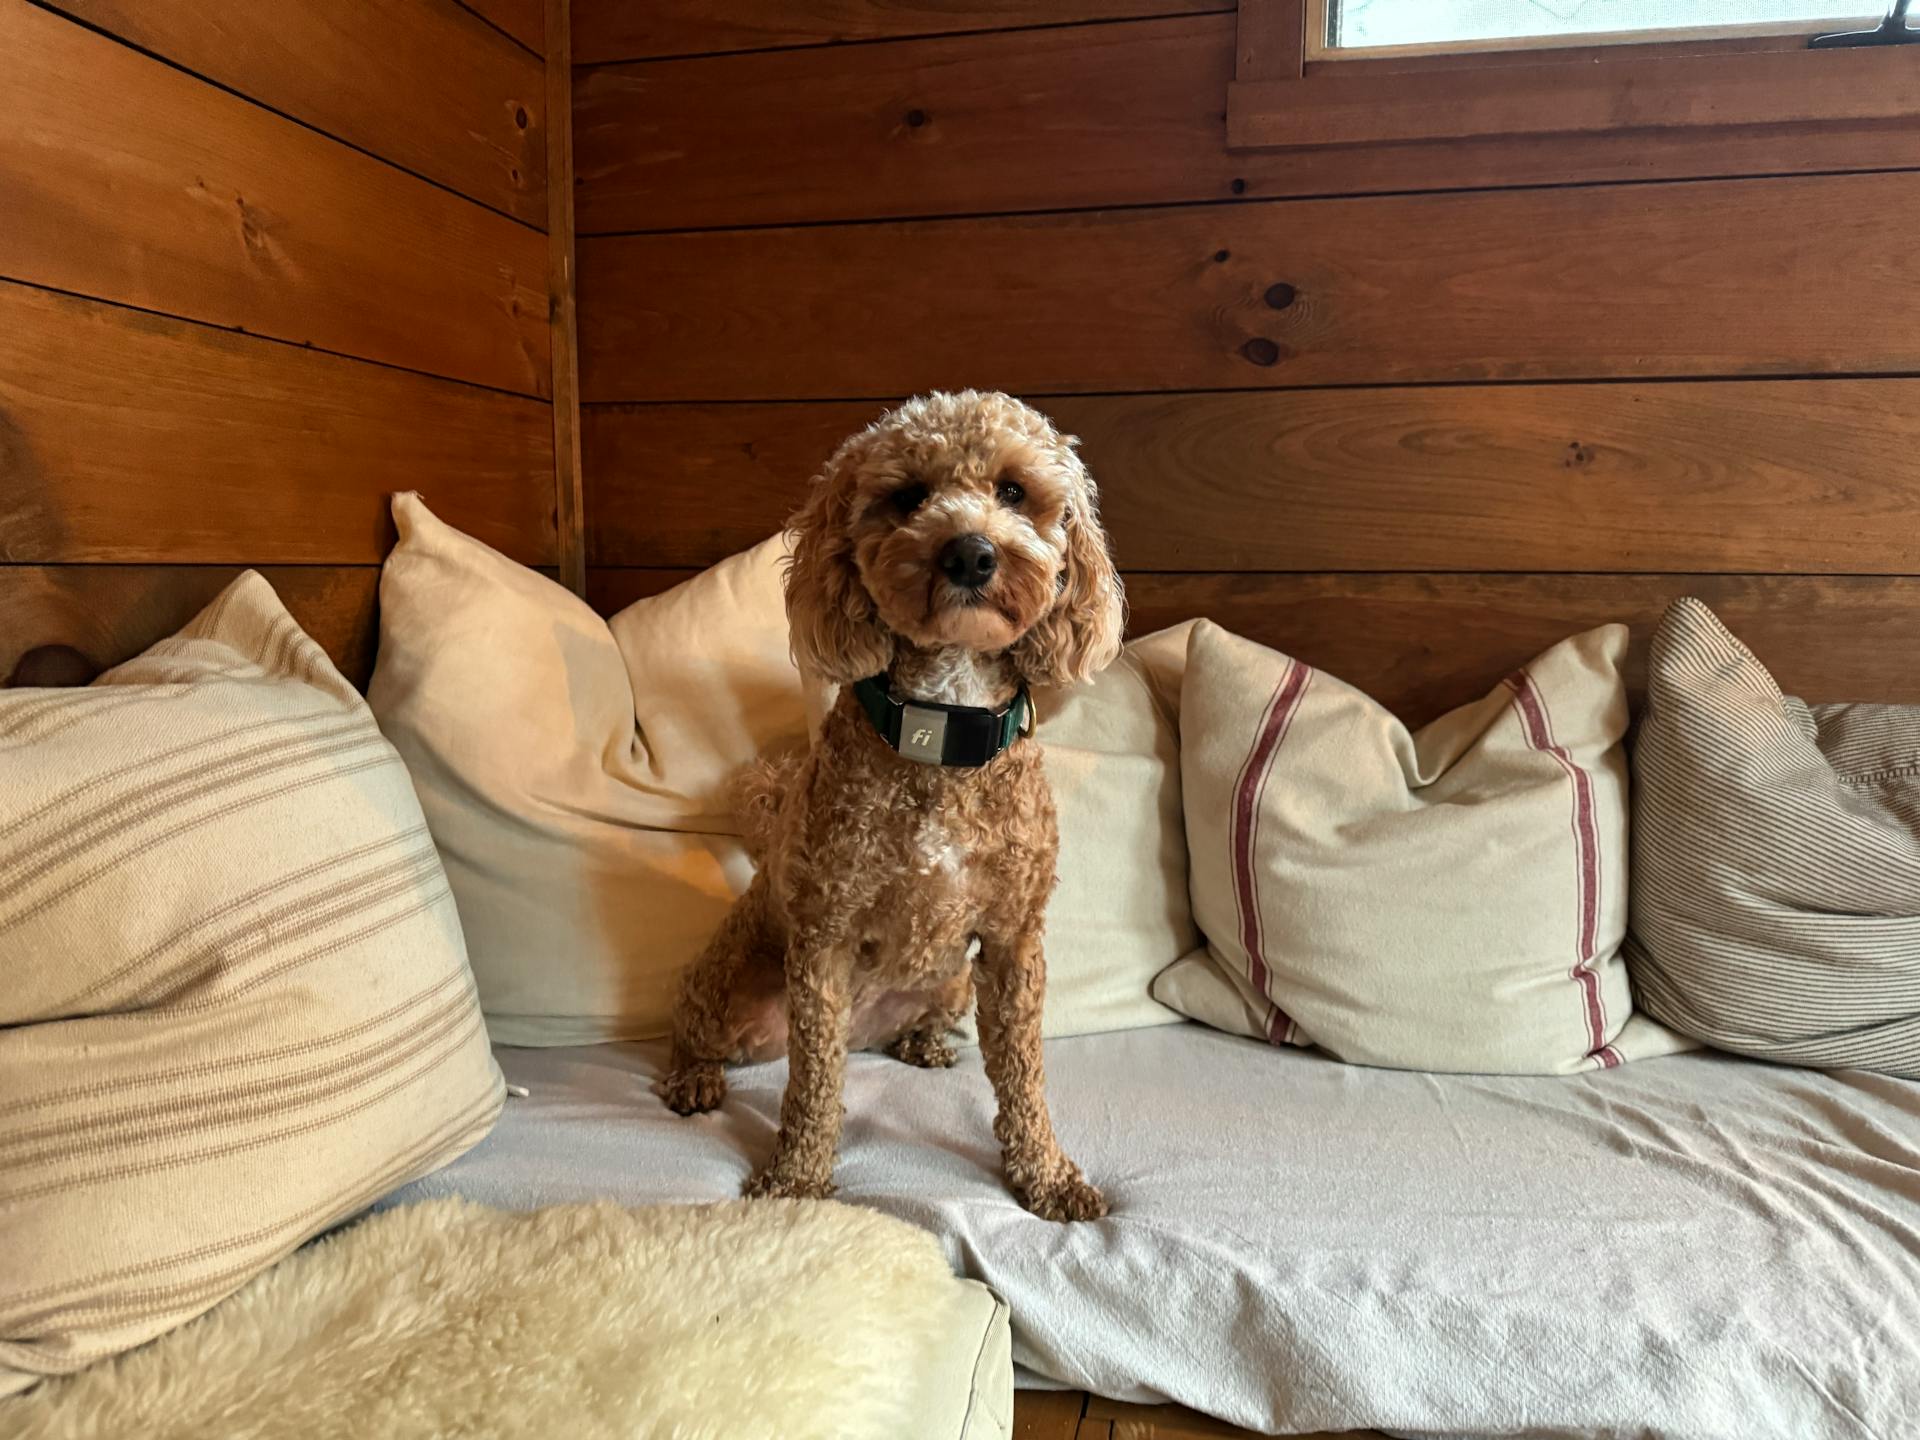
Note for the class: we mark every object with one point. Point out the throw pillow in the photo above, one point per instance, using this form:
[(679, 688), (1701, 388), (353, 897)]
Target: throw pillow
[(1447, 899), (1776, 903), (574, 773), (234, 1004)]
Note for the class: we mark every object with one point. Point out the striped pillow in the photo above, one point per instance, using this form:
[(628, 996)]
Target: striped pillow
[(1447, 899), (234, 1003), (1776, 908)]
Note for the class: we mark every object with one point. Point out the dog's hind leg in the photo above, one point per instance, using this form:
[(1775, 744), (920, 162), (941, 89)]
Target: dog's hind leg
[(926, 1046), (924, 1042), (722, 1002)]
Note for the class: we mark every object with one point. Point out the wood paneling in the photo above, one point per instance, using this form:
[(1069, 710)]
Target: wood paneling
[(1047, 1414), (1102, 114), (1721, 277), (524, 20), (129, 437), (682, 484), (126, 179), (1423, 643), (110, 613), (1762, 476), (623, 30), (1074, 118), (569, 505), (611, 589), (1110, 1420), (423, 83)]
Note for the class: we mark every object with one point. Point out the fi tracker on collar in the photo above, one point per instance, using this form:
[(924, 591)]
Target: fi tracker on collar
[(963, 735)]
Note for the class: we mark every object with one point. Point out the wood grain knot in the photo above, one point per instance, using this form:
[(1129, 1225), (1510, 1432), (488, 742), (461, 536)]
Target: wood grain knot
[(916, 118), (1239, 187), (254, 227), (1261, 351), (1220, 257), (1578, 455), (1280, 295), (520, 116)]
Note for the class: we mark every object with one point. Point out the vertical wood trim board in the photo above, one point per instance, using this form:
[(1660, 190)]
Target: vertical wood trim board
[(1271, 43), (569, 509)]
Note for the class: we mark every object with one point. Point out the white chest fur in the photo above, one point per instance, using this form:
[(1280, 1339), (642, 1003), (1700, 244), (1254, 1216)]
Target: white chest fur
[(953, 677), (936, 855)]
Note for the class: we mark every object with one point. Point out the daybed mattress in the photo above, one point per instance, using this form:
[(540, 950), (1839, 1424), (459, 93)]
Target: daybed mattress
[(1692, 1246)]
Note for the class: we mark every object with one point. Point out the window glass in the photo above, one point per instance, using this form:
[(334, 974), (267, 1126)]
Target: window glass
[(1463, 24)]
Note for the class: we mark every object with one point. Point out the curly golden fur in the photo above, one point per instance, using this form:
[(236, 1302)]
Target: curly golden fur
[(889, 890)]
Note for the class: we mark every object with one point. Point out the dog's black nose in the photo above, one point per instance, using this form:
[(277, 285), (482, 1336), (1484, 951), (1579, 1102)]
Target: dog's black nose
[(969, 561)]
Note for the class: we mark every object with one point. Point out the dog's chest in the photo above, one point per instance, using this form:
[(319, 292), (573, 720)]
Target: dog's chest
[(921, 924), (936, 854)]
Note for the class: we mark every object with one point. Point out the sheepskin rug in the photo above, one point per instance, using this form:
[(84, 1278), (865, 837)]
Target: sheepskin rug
[(785, 1319)]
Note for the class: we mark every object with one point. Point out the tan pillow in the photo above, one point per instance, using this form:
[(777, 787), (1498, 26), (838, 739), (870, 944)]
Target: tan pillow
[(1451, 899), (575, 773), (234, 1004), (575, 776), (1111, 748)]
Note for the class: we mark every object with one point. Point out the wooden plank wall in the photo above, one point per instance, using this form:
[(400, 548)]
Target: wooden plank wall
[(260, 266), (1413, 434)]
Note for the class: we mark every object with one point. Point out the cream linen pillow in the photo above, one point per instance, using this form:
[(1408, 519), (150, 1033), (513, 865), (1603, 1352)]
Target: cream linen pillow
[(1451, 899), (1111, 748), (575, 773), (234, 1004)]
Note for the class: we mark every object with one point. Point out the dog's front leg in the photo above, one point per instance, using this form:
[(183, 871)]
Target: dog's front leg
[(819, 1006), (1012, 986)]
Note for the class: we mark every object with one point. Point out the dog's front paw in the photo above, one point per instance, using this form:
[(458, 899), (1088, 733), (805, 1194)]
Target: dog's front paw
[(771, 1182), (1068, 1198), (695, 1088)]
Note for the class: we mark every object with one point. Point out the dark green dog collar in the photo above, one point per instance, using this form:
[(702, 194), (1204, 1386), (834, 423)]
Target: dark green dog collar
[(965, 735)]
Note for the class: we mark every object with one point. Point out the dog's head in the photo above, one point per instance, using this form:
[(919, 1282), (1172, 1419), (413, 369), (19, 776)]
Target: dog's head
[(955, 520)]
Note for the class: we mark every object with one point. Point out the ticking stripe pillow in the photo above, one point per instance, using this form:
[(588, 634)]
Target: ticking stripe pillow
[(234, 1003), (1451, 899), (1776, 906)]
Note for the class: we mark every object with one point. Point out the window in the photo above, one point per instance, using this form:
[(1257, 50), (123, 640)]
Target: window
[(1585, 89), (1352, 28)]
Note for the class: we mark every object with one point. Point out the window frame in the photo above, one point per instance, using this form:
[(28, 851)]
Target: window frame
[(1285, 98)]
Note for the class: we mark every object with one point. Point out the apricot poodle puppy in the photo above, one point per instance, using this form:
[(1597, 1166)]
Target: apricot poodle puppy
[(949, 557)]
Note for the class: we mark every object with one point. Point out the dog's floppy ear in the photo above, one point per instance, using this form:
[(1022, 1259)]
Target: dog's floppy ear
[(836, 631), (1080, 635)]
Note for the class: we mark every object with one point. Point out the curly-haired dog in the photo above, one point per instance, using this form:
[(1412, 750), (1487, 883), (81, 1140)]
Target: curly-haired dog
[(950, 555)]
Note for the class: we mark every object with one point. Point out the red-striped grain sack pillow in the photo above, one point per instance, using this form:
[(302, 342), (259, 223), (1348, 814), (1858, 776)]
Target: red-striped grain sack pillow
[(1448, 899), (234, 1003)]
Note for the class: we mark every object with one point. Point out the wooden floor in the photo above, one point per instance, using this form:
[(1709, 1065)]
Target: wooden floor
[(1070, 1415)]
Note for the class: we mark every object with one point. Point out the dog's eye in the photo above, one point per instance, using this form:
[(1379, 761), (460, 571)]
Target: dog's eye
[(1011, 493), (909, 498)]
